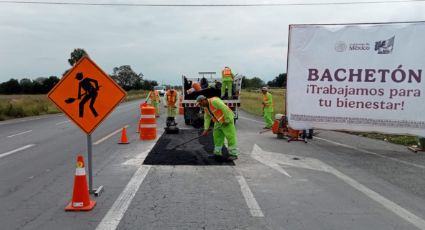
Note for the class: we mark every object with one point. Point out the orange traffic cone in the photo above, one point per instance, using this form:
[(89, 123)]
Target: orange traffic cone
[(80, 196), (124, 139)]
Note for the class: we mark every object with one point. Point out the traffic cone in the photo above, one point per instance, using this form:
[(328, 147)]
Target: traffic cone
[(124, 139), (80, 196)]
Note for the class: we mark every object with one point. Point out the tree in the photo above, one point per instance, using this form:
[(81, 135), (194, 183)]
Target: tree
[(10, 87), (254, 82), (49, 83), (76, 55), (279, 81), (26, 86), (147, 84), (126, 77)]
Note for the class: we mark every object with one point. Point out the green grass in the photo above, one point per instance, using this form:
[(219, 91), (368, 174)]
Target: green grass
[(17, 106), (396, 139), (251, 103), (136, 95)]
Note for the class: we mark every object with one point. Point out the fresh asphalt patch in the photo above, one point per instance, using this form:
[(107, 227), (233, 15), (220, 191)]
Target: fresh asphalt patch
[(196, 152)]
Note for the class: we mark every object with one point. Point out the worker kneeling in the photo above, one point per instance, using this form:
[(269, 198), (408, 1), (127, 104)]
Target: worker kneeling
[(224, 126)]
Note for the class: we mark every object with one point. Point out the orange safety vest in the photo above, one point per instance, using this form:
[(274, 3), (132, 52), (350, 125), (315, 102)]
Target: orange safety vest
[(265, 100), (171, 97), (154, 96), (215, 114), (227, 72)]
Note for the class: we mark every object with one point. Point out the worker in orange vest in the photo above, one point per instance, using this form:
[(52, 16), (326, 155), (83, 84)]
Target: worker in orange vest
[(226, 82), (171, 99), (155, 100), (224, 125)]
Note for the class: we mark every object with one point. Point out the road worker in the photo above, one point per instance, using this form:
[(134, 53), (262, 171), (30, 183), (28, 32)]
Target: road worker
[(154, 100), (224, 126), (226, 82), (267, 108), (171, 100)]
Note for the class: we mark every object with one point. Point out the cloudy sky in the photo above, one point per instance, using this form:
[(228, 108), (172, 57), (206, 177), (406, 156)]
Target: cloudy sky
[(165, 42)]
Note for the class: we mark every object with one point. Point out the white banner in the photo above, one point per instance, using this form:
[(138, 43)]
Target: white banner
[(360, 77)]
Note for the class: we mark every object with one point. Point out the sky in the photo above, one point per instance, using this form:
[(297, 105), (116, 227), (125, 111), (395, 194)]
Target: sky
[(164, 43)]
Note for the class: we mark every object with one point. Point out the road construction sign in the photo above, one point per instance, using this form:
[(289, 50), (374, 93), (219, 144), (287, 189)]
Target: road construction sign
[(87, 95)]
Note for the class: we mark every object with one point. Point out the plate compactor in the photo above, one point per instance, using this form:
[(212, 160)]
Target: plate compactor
[(171, 126)]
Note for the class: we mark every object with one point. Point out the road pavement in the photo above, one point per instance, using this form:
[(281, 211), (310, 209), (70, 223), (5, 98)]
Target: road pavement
[(336, 181)]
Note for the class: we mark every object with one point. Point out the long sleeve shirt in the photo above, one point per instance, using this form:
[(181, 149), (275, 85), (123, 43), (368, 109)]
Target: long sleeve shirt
[(268, 102), (227, 112)]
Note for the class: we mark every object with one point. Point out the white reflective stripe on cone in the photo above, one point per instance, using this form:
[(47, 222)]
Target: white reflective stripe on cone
[(77, 204), (148, 126), (80, 172), (147, 116)]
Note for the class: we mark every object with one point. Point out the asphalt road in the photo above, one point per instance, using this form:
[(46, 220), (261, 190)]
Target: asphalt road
[(336, 181)]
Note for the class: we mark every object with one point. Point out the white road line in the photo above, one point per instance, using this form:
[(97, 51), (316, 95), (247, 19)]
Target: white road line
[(63, 122), (108, 136), (16, 150), (14, 135), (257, 155), (253, 206), (111, 220), (249, 119), (388, 204), (373, 153), (139, 159), (314, 164)]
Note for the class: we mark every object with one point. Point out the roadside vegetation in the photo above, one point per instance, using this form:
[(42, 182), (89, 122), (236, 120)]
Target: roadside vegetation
[(251, 102), (136, 95), (17, 106)]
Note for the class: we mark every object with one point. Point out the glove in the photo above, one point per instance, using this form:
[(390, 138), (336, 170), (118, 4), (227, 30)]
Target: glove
[(205, 132)]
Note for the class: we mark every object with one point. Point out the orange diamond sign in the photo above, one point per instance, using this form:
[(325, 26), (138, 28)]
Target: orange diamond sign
[(87, 95)]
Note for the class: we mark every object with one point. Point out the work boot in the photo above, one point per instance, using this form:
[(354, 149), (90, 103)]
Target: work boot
[(232, 158)]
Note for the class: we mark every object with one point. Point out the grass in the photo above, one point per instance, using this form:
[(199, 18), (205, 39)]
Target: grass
[(396, 139), (251, 103), (136, 94), (17, 106)]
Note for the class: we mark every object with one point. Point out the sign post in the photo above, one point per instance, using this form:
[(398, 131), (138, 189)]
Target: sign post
[(87, 95)]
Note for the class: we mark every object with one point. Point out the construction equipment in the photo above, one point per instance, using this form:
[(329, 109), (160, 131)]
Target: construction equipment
[(171, 126), (283, 131), (193, 115)]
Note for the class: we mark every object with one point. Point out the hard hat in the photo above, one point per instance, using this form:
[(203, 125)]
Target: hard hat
[(200, 98), (264, 89)]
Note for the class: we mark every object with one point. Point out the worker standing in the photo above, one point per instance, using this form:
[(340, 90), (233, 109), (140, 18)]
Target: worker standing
[(171, 99), (154, 100), (224, 126), (226, 82), (267, 107)]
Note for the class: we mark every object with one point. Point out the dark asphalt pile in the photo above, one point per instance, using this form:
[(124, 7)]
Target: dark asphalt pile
[(192, 153)]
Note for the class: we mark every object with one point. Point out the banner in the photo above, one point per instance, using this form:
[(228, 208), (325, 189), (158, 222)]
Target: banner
[(358, 77)]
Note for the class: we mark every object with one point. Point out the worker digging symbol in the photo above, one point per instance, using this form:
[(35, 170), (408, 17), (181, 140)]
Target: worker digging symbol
[(90, 94)]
